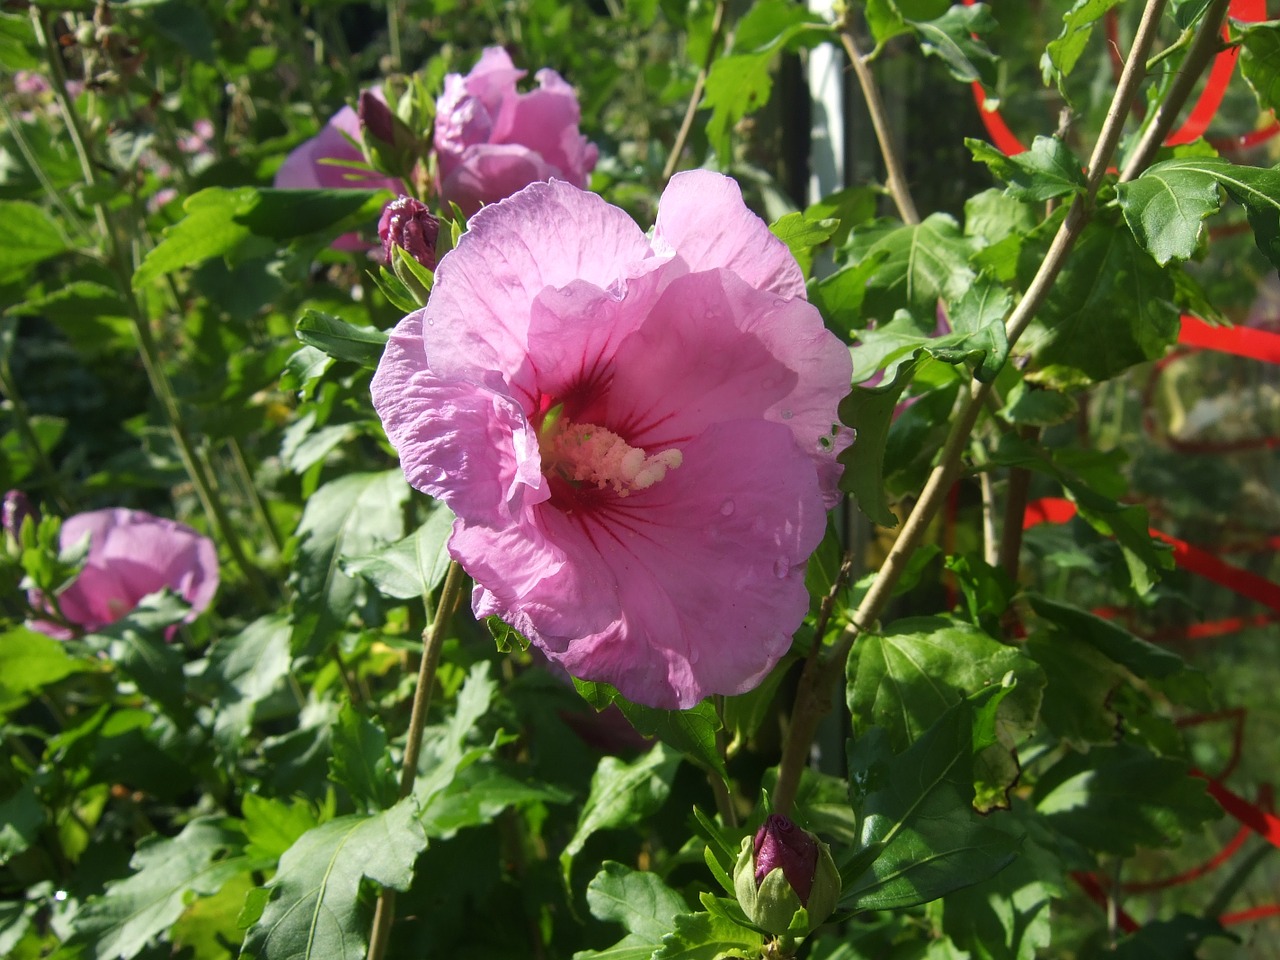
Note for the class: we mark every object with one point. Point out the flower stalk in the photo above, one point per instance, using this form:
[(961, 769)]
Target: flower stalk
[(433, 642)]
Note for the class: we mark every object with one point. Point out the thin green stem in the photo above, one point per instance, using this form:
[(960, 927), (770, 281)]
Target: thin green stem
[(686, 125), (14, 129), (814, 693), (433, 641)]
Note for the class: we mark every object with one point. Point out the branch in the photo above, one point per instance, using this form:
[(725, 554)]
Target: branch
[(813, 697)]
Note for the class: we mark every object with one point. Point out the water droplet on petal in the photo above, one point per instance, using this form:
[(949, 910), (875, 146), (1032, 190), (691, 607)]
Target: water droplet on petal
[(726, 508), (710, 314), (781, 567), (787, 414), (779, 303)]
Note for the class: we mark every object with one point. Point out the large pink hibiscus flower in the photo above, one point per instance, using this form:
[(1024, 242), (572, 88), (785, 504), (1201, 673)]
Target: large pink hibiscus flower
[(637, 435)]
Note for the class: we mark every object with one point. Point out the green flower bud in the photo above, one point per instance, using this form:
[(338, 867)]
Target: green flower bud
[(785, 878)]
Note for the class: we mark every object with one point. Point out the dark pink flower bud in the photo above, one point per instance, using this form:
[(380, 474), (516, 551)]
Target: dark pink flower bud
[(780, 843), (16, 508), (407, 223), (375, 117)]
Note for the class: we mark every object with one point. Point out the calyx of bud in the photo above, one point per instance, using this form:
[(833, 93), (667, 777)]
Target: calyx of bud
[(785, 878)]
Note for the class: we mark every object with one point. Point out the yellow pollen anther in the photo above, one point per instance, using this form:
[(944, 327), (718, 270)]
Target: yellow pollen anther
[(591, 454)]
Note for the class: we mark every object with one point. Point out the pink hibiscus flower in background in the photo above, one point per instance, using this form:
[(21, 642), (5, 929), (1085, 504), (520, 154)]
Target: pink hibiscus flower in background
[(492, 141), (325, 162), (131, 554), (638, 437)]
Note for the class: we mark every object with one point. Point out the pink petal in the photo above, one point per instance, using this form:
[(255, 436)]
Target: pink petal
[(309, 166), (701, 217), (465, 444), (712, 349), (547, 235), (485, 173), (703, 573)]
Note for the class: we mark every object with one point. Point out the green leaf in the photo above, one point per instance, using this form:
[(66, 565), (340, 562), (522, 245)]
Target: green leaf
[(1260, 59), (341, 340), (90, 314), (136, 645), (29, 662), (132, 912), (1165, 208), (925, 263), (361, 761), (704, 936), (273, 826), (30, 236), (243, 221), (245, 669), (906, 677), (644, 905), (622, 794), (19, 49), (737, 84), (1177, 938), (802, 234), (1062, 54), (952, 38), (445, 749), (1049, 169), (315, 911), (1165, 213), (839, 299), (916, 810), (350, 516), (412, 567), (478, 793), (1090, 798), (21, 817), (869, 411), (1110, 639), (1109, 309), (692, 731)]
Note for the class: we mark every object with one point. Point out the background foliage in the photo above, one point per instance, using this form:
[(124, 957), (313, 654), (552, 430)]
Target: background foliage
[(1054, 742)]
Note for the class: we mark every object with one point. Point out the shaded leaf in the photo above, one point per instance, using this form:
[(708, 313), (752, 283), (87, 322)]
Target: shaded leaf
[(412, 567), (1260, 59), (1047, 170), (341, 340), (869, 411), (692, 731), (361, 761), (622, 794), (315, 911), (1090, 797), (1062, 54), (644, 905), (245, 669)]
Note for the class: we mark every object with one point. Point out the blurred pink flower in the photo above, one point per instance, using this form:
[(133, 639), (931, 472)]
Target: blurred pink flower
[(131, 554), (325, 163), (492, 141), (637, 435)]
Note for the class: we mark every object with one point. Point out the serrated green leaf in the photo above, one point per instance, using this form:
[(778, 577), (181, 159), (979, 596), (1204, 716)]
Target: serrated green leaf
[(622, 794), (412, 567), (737, 84), (692, 731), (1047, 170), (1110, 308), (1260, 59), (953, 38), (30, 236), (925, 263), (341, 340), (704, 936), (478, 794), (1090, 797), (917, 808), (644, 905), (233, 223), (315, 911), (360, 760), (29, 662), (272, 826), (839, 299), (244, 669), (869, 411), (134, 911), (906, 677), (21, 817), (802, 234), (1166, 207), (1062, 54), (350, 516)]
